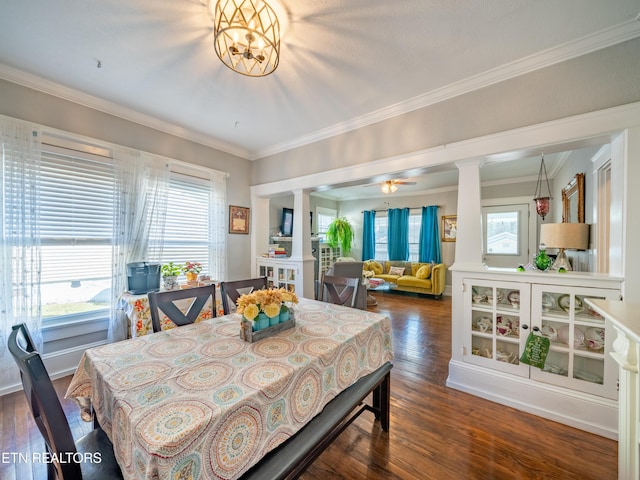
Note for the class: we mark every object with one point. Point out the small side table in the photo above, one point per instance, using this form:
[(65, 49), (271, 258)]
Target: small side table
[(372, 283)]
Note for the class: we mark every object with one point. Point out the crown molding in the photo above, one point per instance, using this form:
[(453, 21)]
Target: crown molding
[(51, 88), (605, 38)]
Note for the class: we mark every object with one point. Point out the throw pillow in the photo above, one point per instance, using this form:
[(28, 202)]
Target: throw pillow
[(396, 271), (423, 272), (376, 267)]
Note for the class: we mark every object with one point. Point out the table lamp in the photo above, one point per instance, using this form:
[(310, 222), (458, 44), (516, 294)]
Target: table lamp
[(574, 236)]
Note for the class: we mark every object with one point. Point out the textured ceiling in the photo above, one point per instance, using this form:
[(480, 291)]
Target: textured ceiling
[(343, 63)]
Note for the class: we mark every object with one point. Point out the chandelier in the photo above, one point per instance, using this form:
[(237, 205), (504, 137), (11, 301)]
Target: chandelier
[(247, 36), (389, 186), (542, 203)]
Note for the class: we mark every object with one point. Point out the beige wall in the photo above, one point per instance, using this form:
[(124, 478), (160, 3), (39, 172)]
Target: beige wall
[(606, 78), (33, 106)]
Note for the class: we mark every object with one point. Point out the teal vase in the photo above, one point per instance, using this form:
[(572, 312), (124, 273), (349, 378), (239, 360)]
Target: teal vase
[(274, 320), (284, 315), (262, 321), (542, 260)]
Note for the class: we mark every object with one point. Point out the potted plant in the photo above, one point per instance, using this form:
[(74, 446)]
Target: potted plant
[(191, 270), (170, 272), (340, 233)]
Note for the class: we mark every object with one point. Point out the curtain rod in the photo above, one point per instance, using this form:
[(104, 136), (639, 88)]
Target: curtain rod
[(410, 208)]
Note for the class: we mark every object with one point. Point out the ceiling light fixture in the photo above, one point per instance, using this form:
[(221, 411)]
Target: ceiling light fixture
[(247, 36), (389, 186), (542, 203)]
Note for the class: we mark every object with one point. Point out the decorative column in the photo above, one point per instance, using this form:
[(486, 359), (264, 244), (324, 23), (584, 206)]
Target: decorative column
[(469, 241), (301, 242)]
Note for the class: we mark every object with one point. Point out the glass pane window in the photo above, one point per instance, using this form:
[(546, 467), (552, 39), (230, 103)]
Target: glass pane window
[(76, 226), (381, 237), (415, 221), (502, 233), (324, 217), (187, 224)]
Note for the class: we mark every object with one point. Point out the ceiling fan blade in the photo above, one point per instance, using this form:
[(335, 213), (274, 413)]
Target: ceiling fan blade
[(405, 183)]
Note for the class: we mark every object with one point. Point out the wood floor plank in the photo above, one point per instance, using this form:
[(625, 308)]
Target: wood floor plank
[(436, 432)]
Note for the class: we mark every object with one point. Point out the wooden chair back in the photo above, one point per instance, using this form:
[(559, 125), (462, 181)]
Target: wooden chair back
[(340, 290), (165, 302), (231, 291), (52, 422)]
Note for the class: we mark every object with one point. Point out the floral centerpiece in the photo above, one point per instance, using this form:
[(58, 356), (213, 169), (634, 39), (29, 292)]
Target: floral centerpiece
[(191, 270), (266, 307)]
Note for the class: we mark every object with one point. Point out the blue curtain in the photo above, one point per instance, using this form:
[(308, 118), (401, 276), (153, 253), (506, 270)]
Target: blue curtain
[(429, 248), (398, 234), (369, 235)]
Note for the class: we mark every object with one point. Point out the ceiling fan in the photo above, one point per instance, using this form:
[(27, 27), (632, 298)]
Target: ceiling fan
[(390, 186)]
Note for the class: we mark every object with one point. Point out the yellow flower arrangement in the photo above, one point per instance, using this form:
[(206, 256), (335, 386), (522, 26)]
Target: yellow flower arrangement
[(267, 301)]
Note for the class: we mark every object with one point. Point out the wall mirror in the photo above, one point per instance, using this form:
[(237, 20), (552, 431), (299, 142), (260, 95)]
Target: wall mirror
[(573, 200)]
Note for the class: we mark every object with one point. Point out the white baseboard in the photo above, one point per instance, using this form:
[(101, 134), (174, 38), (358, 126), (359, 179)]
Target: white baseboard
[(579, 410), (59, 364)]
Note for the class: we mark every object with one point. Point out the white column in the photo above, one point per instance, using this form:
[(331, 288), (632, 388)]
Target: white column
[(259, 230), (626, 356), (301, 242), (469, 236)]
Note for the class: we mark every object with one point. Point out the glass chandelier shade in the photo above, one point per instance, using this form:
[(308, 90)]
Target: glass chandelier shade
[(247, 36), (389, 187), (542, 203)]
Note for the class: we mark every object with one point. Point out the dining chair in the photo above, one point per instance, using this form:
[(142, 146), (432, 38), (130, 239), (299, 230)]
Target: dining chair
[(340, 290), (351, 269), (231, 291), (165, 302), (94, 450)]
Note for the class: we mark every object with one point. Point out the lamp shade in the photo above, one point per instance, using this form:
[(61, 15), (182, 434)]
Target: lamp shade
[(565, 235)]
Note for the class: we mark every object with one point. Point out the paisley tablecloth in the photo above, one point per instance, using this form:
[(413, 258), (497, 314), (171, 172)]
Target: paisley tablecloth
[(197, 402), (136, 310)]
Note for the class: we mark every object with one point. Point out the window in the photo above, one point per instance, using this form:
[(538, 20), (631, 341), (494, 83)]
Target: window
[(80, 201), (187, 224), (415, 221), (502, 233), (381, 223), (324, 216), (76, 228), (506, 235)]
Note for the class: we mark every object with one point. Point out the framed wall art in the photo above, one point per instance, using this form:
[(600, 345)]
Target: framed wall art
[(449, 228), (238, 219)]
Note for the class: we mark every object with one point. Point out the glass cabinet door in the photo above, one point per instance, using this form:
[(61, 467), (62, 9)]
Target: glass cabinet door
[(496, 325), (580, 339)]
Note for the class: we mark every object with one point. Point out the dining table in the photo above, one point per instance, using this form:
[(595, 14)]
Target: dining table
[(198, 401)]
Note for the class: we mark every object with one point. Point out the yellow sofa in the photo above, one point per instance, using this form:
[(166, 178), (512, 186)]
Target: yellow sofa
[(408, 276)]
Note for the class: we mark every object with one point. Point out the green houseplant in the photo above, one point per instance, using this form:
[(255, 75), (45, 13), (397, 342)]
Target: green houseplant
[(340, 233), (170, 272)]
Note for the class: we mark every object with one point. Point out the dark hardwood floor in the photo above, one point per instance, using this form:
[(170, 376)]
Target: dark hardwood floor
[(436, 432)]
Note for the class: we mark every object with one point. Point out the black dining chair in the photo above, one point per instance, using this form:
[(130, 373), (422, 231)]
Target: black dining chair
[(340, 290), (165, 302), (231, 291), (91, 457)]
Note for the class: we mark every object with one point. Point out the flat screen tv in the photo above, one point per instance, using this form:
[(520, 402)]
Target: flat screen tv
[(286, 227)]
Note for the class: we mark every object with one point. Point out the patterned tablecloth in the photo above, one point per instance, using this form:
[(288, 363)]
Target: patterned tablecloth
[(198, 402), (136, 309)]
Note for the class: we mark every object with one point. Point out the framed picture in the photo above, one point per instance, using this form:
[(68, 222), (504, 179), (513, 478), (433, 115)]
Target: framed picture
[(449, 228), (238, 219)]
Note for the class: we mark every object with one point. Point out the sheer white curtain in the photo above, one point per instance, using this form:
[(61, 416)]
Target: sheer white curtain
[(218, 225), (20, 242), (141, 182)]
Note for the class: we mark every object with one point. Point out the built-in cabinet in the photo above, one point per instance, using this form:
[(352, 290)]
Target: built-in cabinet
[(500, 316), (327, 257), (280, 273), (499, 310)]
